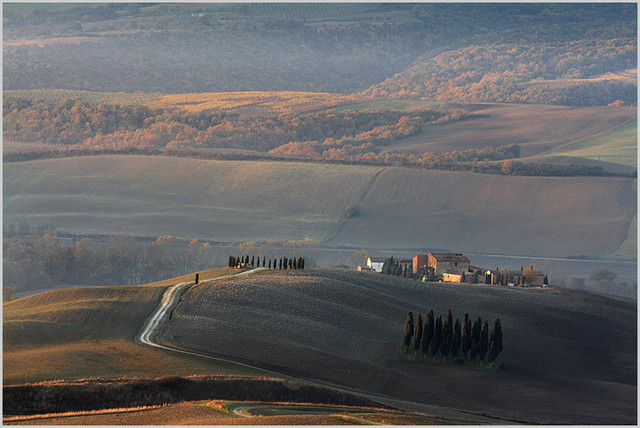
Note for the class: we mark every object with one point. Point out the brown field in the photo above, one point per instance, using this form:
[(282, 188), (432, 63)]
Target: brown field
[(492, 214), (569, 356), (76, 333), (207, 413), (536, 128), (224, 201), (107, 359)]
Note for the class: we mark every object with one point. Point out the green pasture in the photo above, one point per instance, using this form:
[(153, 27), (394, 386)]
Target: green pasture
[(224, 201), (619, 145)]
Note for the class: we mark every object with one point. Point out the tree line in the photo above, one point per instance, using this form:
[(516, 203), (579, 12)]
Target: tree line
[(37, 258), (452, 340), (281, 263)]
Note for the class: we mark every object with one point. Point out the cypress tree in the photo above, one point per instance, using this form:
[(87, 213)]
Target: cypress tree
[(290, 263), (447, 334), (303, 263), (284, 263), (280, 263), (418, 337), (455, 344), (253, 260), (231, 261), (495, 344), (484, 340), (475, 338), (246, 260), (437, 336), (295, 263), (427, 332), (466, 335), (269, 263), (408, 331), (264, 259), (445, 344), (463, 277), (239, 263)]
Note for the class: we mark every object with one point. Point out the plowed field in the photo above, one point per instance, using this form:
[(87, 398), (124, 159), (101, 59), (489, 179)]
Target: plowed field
[(569, 356)]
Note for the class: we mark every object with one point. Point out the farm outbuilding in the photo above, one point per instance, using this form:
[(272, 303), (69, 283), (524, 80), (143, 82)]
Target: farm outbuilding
[(375, 263)]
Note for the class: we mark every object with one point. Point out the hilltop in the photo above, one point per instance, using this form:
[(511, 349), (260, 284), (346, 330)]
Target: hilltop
[(345, 328)]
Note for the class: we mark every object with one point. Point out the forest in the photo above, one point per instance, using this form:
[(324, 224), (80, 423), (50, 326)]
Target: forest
[(485, 50), (75, 127), (517, 73)]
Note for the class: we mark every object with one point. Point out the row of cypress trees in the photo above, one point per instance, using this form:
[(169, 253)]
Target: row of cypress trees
[(447, 338), (282, 263)]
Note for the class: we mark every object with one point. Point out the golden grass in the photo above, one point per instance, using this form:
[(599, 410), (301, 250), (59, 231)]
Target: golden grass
[(108, 359), (78, 413), (204, 276), (80, 332), (76, 314), (253, 103)]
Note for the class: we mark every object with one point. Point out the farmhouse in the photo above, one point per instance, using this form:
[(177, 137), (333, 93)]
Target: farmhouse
[(451, 262), (420, 264), (375, 263)]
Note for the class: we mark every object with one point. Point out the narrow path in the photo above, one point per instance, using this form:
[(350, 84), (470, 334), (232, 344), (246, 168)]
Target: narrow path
[(169, 300), (359, 420)]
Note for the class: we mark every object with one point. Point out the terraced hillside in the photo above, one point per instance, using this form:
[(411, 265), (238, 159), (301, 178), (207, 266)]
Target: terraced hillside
[(569, 356)]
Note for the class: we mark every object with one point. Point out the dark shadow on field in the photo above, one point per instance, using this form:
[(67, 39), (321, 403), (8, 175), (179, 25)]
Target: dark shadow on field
[(569, 356)]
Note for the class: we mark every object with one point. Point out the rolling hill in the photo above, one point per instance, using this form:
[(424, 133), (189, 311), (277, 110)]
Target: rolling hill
[(489, 213), (78, 333), (569, 356), (215, 200), (535, 128), (340, 205)]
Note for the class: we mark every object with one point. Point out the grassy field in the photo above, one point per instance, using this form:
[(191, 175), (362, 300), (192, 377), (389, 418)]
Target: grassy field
[(85, 332), (253, 103), (244, 103), (209, 413), (203, 199), (536, 128), (491, 214), (619, 145), (559, 363)]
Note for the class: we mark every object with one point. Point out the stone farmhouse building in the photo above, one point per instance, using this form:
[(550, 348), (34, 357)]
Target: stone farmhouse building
[(450, 262)]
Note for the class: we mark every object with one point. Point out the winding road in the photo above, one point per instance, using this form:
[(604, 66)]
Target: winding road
[(169, 301)]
